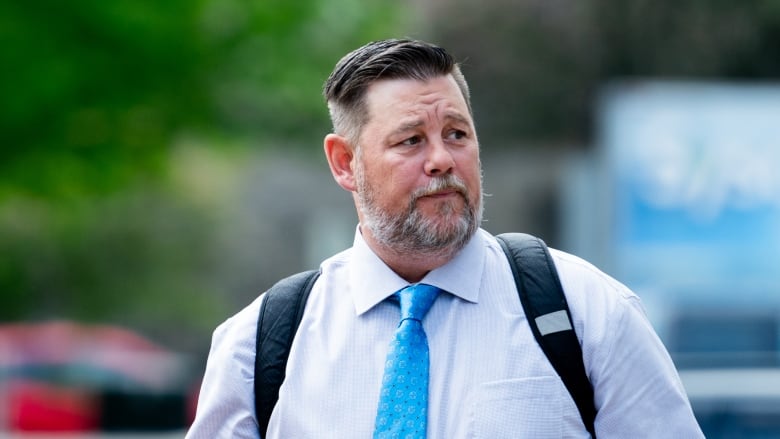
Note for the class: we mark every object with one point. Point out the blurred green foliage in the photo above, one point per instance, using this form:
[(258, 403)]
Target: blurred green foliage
[(95, 92), (98, 96)]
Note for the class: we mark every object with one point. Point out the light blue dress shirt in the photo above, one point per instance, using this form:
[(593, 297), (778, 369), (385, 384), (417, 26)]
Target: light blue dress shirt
[(488, 376)]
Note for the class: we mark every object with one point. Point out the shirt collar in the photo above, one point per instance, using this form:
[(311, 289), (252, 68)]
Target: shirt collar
[(373, 281)]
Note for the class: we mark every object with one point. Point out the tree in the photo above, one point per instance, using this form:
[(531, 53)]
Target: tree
[(95, 93)]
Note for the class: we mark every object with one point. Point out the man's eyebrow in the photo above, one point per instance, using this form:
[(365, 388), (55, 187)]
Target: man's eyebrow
[(456, 117), (408, 126), (416, 123)]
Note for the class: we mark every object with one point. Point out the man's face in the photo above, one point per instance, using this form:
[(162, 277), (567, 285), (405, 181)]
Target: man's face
[(417, 169)]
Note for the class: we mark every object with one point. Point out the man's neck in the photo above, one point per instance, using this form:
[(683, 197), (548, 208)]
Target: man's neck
[(411, 266)]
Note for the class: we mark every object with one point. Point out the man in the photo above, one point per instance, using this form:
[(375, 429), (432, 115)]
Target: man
[(405, 146)]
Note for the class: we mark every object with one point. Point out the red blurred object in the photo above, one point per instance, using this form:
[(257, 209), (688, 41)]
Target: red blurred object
[(70, 377), (46, 407)]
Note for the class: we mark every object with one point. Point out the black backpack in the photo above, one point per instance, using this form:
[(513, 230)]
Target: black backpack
[(540, 293)]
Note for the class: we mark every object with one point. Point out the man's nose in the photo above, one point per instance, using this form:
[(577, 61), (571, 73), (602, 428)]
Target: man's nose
[(439, 159)]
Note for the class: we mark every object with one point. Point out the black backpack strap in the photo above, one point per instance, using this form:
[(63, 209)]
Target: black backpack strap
[(549, 317), (280, 314)]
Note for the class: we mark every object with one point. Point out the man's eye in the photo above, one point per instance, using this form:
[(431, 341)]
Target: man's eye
[(414, 140), (457, 134)]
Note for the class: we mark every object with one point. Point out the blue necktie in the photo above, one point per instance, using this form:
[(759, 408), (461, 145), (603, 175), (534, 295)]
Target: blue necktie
[(403, 401)]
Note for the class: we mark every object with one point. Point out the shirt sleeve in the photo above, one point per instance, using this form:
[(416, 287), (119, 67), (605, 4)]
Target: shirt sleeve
[(226, 401), (637, 390)]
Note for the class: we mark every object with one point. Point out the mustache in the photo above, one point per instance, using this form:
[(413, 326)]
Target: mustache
[(438, 184)]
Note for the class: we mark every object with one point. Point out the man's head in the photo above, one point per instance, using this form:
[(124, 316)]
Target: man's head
[(406, 147), (346, 86)]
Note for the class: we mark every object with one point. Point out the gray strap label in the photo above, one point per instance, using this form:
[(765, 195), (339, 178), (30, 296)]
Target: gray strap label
[(554, 322)]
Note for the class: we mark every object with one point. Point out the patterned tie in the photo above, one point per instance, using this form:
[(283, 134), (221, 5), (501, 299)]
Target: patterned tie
[(403, 401)]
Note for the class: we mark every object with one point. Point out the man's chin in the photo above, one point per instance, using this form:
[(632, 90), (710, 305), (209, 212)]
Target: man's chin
[(446, 223), (451, 232)]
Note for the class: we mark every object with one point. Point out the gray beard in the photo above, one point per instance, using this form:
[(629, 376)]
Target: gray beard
[(410, 232)]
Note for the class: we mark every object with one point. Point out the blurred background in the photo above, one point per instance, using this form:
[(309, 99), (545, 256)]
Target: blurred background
[(161, 165)]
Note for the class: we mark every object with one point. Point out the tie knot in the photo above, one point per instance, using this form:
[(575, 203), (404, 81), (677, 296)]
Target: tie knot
[(416, 300)]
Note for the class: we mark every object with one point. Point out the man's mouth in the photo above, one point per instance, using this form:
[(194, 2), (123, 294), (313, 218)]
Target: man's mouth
[(442, 193)]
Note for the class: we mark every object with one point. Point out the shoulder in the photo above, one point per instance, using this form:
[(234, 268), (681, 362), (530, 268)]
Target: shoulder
[(237, 333), (240, 329), (591, 293), (578, 277), (578, 274), (600, 305)]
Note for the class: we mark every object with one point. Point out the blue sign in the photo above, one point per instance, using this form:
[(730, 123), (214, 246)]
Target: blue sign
[(694, 172)]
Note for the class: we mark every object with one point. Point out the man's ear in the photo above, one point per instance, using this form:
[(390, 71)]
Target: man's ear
[(340, 157)]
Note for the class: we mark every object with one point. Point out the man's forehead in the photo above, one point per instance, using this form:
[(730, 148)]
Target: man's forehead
[(401, 83), (404, 94)]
